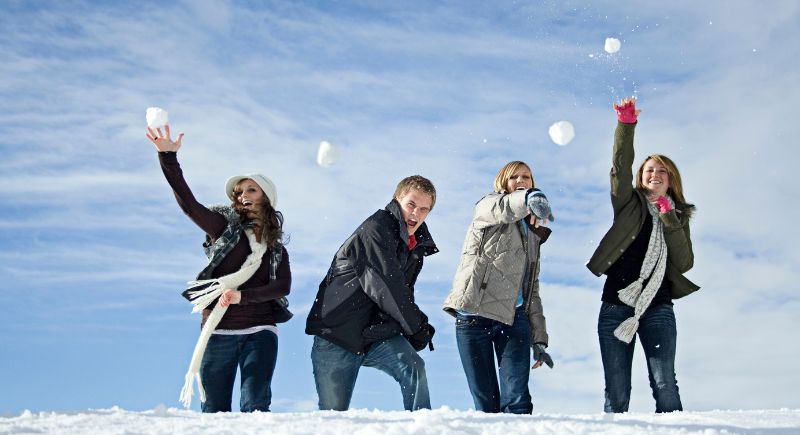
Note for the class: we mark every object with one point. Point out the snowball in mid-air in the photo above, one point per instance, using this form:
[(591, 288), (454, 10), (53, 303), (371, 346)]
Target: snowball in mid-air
[(562, 132), (156, 117), (327, 154), (612, 45)]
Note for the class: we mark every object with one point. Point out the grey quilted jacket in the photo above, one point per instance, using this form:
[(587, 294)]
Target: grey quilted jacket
[(492, 265)]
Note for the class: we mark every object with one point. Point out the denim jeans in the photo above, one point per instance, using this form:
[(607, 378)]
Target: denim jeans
[(658, 334), (480, 341), (255, 355), (336, 370)]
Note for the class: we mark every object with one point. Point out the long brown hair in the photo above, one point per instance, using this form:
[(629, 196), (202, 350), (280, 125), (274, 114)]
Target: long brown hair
[(267, 222), (675, 189), (505, 173)]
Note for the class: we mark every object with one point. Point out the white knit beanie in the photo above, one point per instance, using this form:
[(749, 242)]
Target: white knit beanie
[(263, 182)]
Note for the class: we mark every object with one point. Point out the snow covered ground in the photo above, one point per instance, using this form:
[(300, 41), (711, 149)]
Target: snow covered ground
[(439, 421)]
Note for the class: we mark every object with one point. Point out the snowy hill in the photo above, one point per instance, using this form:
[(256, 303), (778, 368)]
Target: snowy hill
[(440, 421)]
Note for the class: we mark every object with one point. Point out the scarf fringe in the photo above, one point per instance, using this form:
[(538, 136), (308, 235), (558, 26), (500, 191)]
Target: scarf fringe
[(630, 294), (205, 287), (188, 391), (204, 297), (627, 329)]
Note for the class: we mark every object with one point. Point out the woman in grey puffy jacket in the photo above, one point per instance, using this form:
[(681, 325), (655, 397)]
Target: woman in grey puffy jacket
[(495, 295)]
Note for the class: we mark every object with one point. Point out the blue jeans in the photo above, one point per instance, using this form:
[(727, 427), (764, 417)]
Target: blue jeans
[(336, 370), (255, 355), (659, 335), (480, 341)]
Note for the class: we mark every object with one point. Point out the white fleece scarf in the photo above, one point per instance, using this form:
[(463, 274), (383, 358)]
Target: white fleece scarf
[(203, 298), (654, 266)]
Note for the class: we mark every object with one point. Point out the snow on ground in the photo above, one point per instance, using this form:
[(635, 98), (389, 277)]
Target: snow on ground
[(439, 421)]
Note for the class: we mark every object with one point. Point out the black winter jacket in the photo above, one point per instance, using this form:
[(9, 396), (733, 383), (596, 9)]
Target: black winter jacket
[(373, 273)]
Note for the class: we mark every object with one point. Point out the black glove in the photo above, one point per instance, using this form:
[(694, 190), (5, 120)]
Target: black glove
[(422, 338), (540, 354)]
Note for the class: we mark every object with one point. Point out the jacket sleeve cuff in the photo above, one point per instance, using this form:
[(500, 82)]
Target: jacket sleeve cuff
[(543, 233), (169, 158), (670, 219)]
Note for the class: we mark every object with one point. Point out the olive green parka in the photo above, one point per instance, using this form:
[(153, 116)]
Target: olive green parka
[(630, 212)]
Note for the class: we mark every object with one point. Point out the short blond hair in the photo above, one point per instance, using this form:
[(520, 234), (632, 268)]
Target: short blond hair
[(505, 173), (416, 182)]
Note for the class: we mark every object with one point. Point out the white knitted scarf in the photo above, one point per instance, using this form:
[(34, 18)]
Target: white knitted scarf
[(654, 266), (203, 298)]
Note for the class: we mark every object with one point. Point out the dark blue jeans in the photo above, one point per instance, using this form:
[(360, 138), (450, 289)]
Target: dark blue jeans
[(658, 334), (480, 341), (336, 370), (255, 355)]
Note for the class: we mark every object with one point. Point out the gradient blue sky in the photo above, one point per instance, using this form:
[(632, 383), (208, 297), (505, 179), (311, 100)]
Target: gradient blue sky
[(94, 251)]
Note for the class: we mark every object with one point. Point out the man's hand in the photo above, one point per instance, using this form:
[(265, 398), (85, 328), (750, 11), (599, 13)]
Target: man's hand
[(422, 338)]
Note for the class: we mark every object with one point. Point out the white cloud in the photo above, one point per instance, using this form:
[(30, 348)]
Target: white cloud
[(404, 89)]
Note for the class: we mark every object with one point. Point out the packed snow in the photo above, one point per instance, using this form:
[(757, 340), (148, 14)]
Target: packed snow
[(612, 45), (156, 117), (562, 132), (361, 421), (327, 154)]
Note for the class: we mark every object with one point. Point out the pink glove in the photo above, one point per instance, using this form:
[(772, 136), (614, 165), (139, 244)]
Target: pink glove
[(626, 111), (663, 205)]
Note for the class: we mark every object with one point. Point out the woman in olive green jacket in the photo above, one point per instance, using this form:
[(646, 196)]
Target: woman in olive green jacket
[(643, 255)]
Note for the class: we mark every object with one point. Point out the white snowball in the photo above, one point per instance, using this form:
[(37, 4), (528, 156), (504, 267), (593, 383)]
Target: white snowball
[(156, 117), (562, 132), (612, 45), (327, 154)]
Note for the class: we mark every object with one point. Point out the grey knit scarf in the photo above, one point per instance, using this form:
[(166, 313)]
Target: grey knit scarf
[(653, 267)]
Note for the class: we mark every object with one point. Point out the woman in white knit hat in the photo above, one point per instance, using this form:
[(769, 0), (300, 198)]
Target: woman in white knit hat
[(239, 291), (644, 256)]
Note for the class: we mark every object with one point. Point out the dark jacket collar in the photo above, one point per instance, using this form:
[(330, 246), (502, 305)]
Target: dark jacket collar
[(425, 242)]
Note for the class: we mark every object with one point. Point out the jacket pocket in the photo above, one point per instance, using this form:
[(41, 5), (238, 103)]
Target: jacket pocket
[(481, 241), (487, 275)]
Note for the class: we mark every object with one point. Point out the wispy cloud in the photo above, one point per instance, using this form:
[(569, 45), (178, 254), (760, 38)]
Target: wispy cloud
[(451, 91)]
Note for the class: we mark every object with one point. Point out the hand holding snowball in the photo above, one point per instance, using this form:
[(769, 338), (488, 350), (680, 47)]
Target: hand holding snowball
[(626, 110), (539, 207), (162, 141)]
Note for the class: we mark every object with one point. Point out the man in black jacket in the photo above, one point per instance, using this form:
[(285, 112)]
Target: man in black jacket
[(364, 313)]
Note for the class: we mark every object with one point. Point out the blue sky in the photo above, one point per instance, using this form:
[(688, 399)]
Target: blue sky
[(94, 251)]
